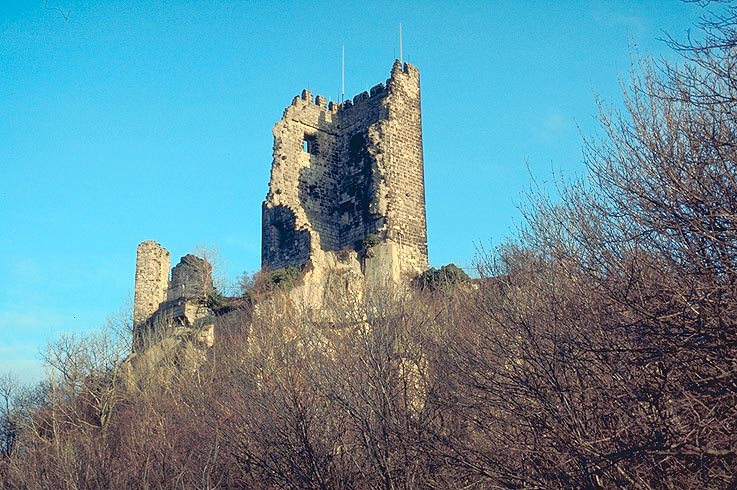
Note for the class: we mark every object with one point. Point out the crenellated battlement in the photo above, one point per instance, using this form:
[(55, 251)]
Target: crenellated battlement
[(363, 96), (379, 90)]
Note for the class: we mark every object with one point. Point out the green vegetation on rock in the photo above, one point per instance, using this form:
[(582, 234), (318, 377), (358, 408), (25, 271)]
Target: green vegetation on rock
[(446, 276)]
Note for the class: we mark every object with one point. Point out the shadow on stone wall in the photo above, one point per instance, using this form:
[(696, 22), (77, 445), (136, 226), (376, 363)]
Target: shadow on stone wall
[(283, 244)]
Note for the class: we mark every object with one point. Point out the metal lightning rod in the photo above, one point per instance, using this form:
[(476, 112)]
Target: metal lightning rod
[(400, 43), (342, 75)]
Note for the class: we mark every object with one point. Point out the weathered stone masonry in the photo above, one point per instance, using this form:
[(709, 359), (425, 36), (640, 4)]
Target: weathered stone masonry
[(342, 172), (152, 280), (160, 305)]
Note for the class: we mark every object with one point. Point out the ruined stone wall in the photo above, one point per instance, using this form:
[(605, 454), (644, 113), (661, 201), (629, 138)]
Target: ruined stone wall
[(191, 278), (296, 213), (152, 280), (342, 172), (359, 215), (400, 162), (160, 305)]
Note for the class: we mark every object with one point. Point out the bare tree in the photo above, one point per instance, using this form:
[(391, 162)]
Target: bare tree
[(9, 391)]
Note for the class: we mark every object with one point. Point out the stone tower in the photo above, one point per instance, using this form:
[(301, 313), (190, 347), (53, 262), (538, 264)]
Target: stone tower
[(161, 306), (152, 280), (345, 172)]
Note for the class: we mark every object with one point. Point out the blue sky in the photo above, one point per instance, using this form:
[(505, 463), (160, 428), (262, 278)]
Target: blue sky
[(123, 121)]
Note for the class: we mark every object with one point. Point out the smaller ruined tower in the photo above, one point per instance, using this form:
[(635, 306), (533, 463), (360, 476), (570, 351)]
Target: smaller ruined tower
[(191, 278), (349, 174), (160, 305), (152, 280)]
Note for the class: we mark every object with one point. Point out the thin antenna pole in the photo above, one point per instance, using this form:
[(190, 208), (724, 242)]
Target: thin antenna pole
[(400, 43), (342, 75)]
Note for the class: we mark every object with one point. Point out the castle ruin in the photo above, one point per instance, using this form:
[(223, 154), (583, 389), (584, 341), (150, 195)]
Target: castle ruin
[(161, 304), (345, 172), (346, 205), (152, 280)]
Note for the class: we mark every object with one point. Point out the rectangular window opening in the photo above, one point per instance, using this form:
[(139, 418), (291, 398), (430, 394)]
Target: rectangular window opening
[(309, 145)]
